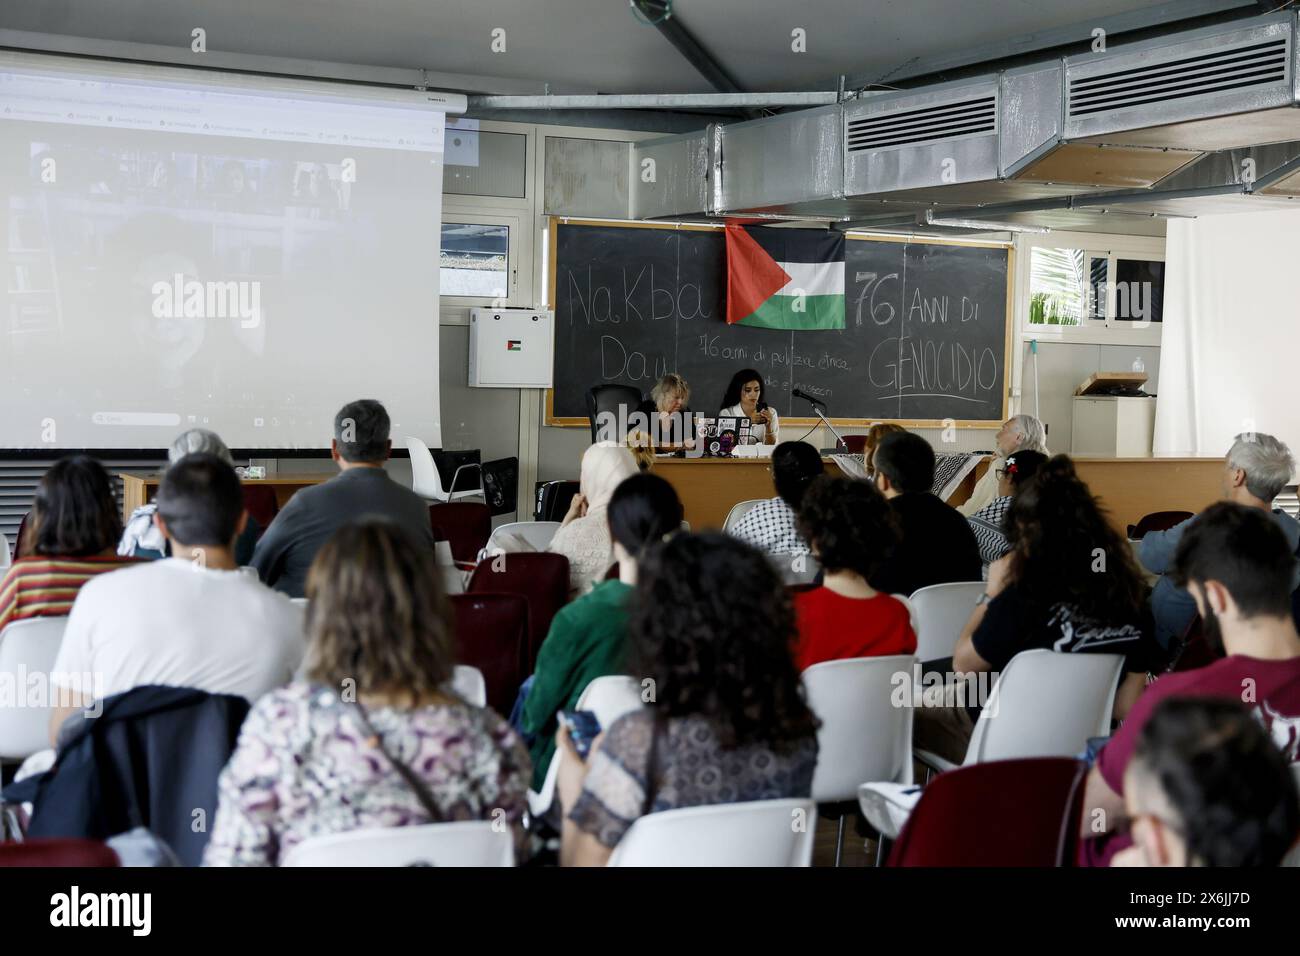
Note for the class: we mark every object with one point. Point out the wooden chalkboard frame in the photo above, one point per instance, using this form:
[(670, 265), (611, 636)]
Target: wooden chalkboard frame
[(978, 423)]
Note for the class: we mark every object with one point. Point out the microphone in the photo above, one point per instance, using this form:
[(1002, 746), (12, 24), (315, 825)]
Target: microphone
[(800, 393)]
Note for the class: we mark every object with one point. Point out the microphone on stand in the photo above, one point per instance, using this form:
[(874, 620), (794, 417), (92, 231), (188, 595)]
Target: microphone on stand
[(800, 393), (840, 444)]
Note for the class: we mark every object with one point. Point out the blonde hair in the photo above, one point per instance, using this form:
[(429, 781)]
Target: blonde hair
[(874, 435), (670, 384), (643, 449)]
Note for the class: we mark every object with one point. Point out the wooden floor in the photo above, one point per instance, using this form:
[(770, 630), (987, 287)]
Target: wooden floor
[(855, 853)]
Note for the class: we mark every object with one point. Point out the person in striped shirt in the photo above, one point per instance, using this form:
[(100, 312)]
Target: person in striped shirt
[(72, 537)]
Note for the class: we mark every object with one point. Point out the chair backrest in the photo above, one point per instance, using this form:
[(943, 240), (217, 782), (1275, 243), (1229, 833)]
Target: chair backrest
[(469, 683), (260, 503), (554, 499), (942, 610), (855, 444), (619, 401), (425, 480), (542, 578), (57, 851), (755, 833), (465, 525), (738, 511), (538, 534), (1004, 813), (492, 636), (1046, 704), (464, 843), (1157, 521), (5, 557), (866, 730), (610, 697), (795, 568), (28, 650)]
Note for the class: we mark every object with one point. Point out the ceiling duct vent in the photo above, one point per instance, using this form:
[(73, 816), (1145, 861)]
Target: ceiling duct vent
[(1224, 87), (928, 124), (1250, 67)]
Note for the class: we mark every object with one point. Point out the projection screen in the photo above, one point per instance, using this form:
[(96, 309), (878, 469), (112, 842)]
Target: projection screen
[(192, 248)]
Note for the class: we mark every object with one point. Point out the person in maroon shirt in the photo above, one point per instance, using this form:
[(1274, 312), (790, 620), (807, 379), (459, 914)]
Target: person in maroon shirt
[(851, 529), (1236, 564)]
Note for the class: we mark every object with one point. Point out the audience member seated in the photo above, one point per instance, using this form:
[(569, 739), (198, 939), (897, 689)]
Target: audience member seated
[(71, 537), (874, 436), (583, 537), (1018, 433), (1256, 470), (772, 525), (1237, 564), (360, 447), (642, 448), (1070, 584), (711, 630), (142, 537), (936, 545), (370, 736), (192, 620), (1207, 787), (588, 638), (989, 523), (851, 529)]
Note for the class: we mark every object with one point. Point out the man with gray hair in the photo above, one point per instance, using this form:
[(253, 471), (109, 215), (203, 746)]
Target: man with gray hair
[(360, 447), (1257, 468), (1018, 433), (141, 538)]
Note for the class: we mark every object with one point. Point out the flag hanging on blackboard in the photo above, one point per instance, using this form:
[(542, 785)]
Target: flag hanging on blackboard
[(785, 278)]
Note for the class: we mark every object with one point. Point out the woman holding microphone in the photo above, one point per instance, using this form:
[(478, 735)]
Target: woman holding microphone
[(744, 399)]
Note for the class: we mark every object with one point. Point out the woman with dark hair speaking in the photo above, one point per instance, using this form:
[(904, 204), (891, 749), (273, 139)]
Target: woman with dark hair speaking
[(588, 638), (711, 627), (744, 398)]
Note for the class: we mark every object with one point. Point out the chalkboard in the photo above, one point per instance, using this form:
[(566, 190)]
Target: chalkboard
[(925, 338)]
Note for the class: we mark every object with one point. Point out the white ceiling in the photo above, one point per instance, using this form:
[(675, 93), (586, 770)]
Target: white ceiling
[(578, 45)]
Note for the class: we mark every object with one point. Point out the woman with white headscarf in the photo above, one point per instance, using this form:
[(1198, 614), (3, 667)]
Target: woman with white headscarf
[(1018, 433), (583, 537)]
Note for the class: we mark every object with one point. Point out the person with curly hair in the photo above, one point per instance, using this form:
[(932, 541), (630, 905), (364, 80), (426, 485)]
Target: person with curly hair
[(1207, 787), (1237, 565), (851, 529), (726, 720)]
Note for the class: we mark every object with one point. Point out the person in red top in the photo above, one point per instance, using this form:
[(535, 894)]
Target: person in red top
[(850, 528), (1237, 566)]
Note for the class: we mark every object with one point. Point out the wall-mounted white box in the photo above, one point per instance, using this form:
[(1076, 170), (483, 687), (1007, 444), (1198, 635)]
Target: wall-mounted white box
[(1112, 426), (511, 348)]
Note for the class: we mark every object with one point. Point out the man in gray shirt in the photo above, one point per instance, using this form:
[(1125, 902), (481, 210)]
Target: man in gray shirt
[(1257, 468), (360, 447)]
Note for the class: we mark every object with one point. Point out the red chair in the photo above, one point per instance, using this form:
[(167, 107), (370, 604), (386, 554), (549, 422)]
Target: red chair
[(540, 577), (57, 852), (855, 444), (492, 635), (260, 503), (1157, 521), (466, 525), (1001, 813), (19, 541)]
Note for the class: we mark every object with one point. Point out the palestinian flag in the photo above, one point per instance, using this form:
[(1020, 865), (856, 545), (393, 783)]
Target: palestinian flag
[(785, 278)]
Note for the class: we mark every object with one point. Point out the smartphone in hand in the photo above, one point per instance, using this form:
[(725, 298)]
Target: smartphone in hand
[(583, 727)]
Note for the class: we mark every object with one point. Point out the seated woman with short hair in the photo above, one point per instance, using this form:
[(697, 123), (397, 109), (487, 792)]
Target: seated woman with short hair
[(770, 525), (711, 628), (370, 735), (851, 529), (669, 421), (72, 537)]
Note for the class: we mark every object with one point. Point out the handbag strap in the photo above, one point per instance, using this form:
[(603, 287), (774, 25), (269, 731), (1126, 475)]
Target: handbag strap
[(413, 780)]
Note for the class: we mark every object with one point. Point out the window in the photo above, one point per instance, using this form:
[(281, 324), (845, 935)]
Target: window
[(1094, 288), (475, 260), (484, 163), (1058, 286), (1139, 290)]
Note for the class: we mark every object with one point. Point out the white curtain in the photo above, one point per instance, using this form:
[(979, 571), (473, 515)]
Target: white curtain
[(1230, 348)]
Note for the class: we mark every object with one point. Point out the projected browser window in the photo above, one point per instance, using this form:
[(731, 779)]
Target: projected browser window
[(205, 252)]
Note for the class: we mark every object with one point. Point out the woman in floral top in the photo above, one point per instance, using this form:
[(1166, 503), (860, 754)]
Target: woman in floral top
[(379, 627)]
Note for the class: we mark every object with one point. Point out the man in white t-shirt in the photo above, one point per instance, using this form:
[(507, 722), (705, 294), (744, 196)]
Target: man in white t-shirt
[(191, 620)]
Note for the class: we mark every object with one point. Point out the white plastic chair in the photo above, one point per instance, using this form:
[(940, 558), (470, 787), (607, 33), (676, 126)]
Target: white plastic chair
[(468, 682), (795, 568), (755, 833), (609, 698), (298, 602), (4, 552), (427, 483), (465, 843), (865, 733), (28, 650), (738, 511), (943, 610), (538, 534)]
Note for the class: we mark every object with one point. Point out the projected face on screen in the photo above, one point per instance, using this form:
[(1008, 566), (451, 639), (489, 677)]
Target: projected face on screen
[(181, 254)]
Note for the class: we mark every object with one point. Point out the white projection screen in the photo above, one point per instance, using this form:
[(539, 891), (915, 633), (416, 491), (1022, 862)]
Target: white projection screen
[(192, 248)]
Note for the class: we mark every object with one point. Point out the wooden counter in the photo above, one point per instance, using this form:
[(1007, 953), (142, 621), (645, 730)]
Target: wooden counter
[(138, 490)]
